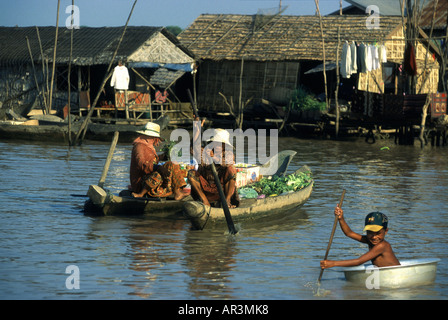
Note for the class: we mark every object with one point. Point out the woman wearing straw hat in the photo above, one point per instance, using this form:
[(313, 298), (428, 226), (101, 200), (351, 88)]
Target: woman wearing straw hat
[(148, 178), (203, 187)]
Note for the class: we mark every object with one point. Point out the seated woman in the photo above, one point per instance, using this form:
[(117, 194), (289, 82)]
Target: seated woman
[(203, 187), (148, 178)]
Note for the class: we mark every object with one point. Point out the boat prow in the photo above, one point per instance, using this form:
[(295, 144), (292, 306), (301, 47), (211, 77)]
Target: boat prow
[(410, 273), (102, 202)]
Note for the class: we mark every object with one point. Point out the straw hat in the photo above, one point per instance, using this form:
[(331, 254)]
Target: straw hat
[(151, 129), (221, 135)]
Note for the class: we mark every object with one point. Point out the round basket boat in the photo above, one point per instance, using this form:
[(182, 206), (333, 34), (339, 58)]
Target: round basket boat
[(413, 272)]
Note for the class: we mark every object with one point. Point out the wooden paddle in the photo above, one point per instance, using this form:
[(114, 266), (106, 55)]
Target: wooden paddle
[(108, 160), (225, 207), (332, 234), (224, 204)]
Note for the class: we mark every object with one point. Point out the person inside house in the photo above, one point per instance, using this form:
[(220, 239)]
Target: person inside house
[(203, 187), (120, 83), (120, 77), (148, 177)]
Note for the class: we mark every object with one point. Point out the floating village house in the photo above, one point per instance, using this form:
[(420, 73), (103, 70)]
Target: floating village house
[(437, 20), (267, 57), (159, 67)]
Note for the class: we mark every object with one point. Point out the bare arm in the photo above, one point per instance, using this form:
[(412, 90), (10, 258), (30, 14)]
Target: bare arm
[(370, 255), (345, 228)]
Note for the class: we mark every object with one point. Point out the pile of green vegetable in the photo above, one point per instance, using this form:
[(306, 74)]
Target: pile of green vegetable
[(275, 185)]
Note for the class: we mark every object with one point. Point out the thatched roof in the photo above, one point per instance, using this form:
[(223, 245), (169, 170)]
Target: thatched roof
[(280, 37), (440, 16), (91, 46)]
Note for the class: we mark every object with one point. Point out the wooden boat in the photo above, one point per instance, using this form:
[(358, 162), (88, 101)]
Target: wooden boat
[(202, 216), (413, 272), (103, 202), (39, 129)]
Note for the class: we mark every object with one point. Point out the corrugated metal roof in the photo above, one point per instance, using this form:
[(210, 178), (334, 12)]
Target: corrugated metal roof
[(90, 45), (386, 7), (393, 8)]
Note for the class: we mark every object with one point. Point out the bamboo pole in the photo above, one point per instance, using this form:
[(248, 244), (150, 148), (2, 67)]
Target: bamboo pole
[(83, 127), (323, 50), (428, 97), (34, 72), (69, 82), (240, 103), (336, 94), (44, 92), (54, 56), (424, 74)]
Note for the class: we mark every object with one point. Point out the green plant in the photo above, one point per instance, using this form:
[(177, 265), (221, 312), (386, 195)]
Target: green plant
[(278, 185), (168, 148), (302, 100)]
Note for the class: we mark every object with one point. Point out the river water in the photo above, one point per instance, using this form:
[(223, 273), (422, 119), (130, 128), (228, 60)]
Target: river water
[(43, 230)]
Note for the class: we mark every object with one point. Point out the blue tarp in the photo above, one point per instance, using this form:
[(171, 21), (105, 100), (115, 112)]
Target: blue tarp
[(172, 66)]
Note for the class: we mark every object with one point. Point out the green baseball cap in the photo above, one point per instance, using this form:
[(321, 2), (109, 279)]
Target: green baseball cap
[(375, 221)]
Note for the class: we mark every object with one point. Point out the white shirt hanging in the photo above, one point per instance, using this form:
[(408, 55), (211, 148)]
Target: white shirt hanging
[(346, 61), (383, 54), (354, 58), (368, 58), (120, 78)]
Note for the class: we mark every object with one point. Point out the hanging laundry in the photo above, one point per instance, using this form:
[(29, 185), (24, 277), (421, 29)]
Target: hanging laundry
[(383, 54), (375, 57), (368, 58), (361, 58), (410, 64), (354, 63), (346, 60)]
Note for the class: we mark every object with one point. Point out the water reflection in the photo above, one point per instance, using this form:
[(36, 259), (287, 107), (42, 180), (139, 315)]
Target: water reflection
[(43, 230)]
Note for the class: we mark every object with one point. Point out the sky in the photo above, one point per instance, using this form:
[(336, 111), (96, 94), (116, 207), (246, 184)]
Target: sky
[(100, 13)]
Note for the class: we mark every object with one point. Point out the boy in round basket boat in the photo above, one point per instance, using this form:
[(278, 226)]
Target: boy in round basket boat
[(380, 251)]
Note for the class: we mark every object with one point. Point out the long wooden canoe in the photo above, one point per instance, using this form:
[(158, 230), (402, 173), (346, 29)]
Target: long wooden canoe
[(202, 216), (103, 202), (413, 272)]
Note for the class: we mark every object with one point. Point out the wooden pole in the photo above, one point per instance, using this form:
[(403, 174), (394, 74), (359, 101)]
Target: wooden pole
[(108, 160), (34, 71), (83, 127), (240, 103), (69, 80), (54, 57), (424, 74), (332, 235), (323, 50), (44, 77), (336, 94)]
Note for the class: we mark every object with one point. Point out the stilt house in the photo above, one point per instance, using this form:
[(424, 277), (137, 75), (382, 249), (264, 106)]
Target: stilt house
[(159, 67), (267, 57)]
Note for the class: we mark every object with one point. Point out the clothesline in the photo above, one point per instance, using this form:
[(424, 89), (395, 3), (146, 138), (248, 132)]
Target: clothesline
[(361, 58)]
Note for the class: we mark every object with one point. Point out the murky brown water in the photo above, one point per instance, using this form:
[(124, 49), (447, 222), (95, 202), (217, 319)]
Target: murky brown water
[(42, 228)]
